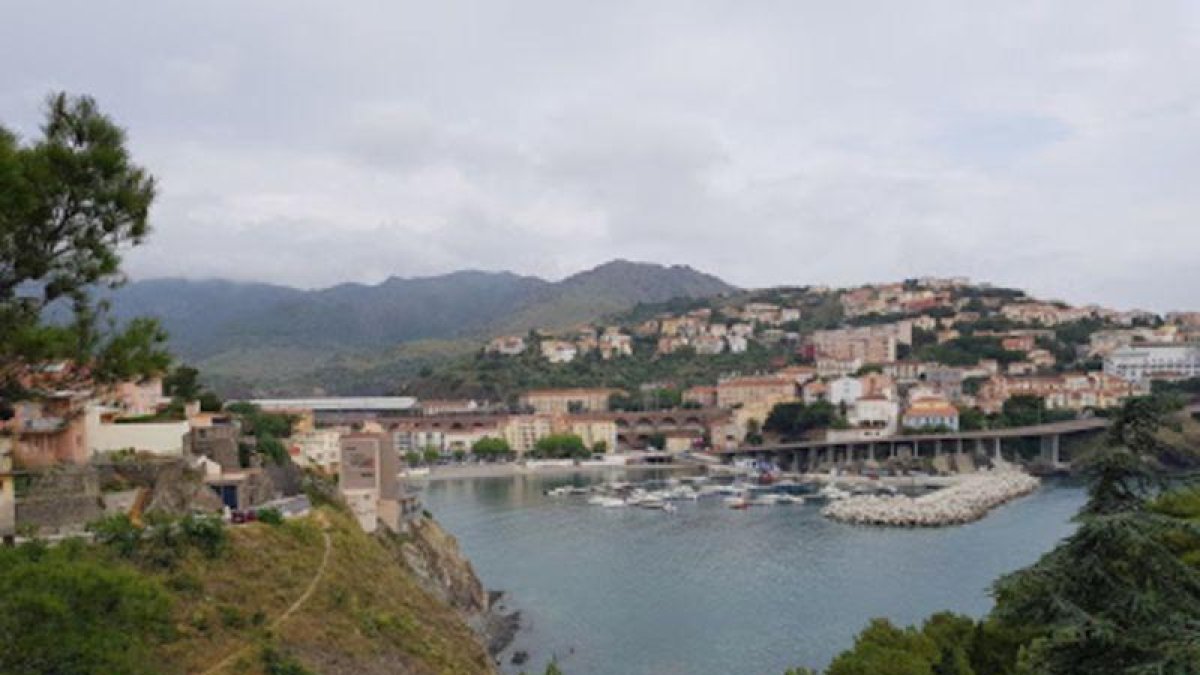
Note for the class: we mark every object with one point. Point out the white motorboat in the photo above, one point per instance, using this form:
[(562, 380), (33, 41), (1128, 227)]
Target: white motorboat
[(606, 502)]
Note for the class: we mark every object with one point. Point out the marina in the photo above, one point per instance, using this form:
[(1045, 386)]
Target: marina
[(686, 591)]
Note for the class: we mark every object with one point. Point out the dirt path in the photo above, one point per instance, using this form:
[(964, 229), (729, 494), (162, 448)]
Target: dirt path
[(292, 609)]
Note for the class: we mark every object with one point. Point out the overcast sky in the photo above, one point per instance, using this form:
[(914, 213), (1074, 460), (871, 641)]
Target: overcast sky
[(1050, 145)]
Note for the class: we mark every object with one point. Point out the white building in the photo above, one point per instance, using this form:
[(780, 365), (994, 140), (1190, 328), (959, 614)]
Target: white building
[(559, 351), (1139, 363), (737, 343), (106, 432), (318, 448), (875, 412), (845, 389)]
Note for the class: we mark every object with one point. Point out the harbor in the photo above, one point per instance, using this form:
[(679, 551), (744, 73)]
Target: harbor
[(684, 588)]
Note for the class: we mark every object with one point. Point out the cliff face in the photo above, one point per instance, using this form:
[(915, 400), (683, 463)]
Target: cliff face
[(433, 557), (440, 567)]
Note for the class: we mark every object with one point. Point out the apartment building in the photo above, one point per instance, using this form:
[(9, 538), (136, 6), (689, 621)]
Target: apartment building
[(1145, 362), (368, 481), (754, 391), (563, 401), (1069, 391)]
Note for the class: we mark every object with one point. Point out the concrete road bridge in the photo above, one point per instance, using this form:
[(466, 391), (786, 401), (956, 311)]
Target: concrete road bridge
[(1053, 442), (1011, 444)]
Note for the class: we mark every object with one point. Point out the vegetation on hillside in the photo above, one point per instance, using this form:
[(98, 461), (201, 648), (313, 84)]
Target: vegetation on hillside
[(502, 378), (1120, 595), (183, 596)]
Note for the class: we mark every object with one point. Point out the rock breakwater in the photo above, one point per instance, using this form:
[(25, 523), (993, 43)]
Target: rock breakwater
[(967, 501)]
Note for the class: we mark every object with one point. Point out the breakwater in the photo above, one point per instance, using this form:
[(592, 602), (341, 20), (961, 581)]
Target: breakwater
[(967, 501)]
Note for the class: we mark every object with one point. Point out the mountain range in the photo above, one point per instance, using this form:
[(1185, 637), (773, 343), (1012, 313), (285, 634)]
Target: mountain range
[(265, 336)]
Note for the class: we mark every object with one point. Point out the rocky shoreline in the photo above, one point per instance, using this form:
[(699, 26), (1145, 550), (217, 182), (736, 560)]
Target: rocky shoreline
[(967, 501)]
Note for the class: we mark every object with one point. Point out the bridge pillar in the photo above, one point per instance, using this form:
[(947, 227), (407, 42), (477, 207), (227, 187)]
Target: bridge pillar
[(871, 451), (996, 448), (937, 447)]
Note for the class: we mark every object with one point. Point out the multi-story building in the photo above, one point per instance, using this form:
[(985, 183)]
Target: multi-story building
[(1141, 363), (592, 431), (444, 434), (930, 412), (318, 448), (1069, 391), (845, 389), (558, 351), (614, 344), (49, 431), (563, 401), (508, 345), (829, 368), (870, 344), (524, 431), (755, 390), (669, 344), (738, 344), (370, 484)]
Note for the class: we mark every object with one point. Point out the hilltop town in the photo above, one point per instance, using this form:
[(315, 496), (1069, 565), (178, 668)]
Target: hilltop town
[(703, 374)]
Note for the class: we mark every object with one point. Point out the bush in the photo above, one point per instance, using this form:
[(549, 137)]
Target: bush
[(270, 516), (61, 612)]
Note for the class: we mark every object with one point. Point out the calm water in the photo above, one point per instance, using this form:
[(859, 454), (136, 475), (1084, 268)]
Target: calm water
[(713, 591)]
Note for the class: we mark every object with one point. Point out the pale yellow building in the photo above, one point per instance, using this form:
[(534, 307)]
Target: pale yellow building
[(564, 401), (594, 431), (524, 431)]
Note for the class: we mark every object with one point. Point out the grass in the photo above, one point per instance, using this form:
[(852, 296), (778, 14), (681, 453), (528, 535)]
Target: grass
[(366, 615)]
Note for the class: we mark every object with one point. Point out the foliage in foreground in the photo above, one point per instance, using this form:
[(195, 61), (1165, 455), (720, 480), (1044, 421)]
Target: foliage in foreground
[(64, 611), (1120, 595)]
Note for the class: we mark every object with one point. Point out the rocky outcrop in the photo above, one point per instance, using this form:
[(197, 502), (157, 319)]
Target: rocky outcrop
[(178, 490), (434, 558)]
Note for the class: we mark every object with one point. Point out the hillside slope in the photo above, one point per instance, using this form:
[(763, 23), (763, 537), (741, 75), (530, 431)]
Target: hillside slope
[(277, 593)]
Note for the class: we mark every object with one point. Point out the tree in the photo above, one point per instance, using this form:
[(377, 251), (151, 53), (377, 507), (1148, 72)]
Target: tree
[(1023, 410), (560, 446), (599, 447), (883, 649), (1114, 597), (971, 419), (460, 455), (69, 203), (490, 447), (412, 458), (432, 455)]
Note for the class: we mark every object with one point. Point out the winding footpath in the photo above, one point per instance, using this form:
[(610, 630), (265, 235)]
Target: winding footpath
[(969, 500), (292, 609)]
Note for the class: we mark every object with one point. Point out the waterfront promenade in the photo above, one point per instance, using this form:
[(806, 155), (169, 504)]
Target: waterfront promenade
[(509, 469)]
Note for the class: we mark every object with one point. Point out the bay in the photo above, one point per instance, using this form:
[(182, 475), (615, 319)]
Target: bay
[(713, 591)]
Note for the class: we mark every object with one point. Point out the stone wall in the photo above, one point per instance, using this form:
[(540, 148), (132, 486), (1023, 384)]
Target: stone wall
[(61, 499)]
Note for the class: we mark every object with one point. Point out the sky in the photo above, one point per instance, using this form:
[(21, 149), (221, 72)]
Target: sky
[(1053, 146)]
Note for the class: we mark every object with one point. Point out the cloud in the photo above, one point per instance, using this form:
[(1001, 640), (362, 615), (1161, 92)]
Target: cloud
[(1042, 145)]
